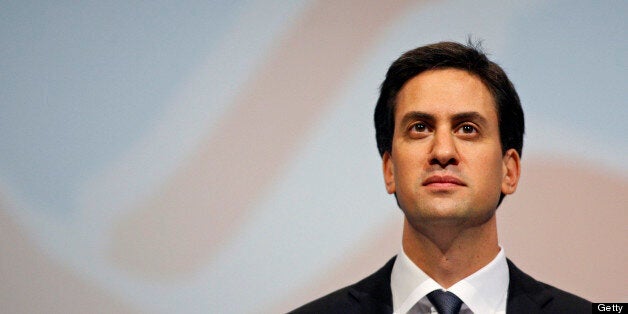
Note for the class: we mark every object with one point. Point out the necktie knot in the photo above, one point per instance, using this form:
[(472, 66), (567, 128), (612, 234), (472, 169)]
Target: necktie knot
[(445, 302)]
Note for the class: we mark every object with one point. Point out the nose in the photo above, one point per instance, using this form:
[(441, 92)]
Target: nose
[(444, 150)]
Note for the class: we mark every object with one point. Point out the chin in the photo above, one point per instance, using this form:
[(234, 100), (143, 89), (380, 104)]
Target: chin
[(449, 213)]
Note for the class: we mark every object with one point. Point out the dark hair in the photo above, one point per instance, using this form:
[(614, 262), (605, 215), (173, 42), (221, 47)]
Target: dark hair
[(450, 55)]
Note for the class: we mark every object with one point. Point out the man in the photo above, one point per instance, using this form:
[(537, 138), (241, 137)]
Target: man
[(449, 128)]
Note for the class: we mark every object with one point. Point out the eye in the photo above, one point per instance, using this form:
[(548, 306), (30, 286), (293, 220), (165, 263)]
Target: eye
[(418, 130), (419, 127), (467, 130)]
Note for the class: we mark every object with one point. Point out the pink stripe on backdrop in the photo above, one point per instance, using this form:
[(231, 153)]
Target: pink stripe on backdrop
[(566, 225), (32, 282), (178, 230)]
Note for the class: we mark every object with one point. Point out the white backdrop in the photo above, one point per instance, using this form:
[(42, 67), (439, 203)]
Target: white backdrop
[(219, 157)]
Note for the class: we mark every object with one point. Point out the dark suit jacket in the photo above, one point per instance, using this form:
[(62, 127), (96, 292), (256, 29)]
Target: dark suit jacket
[(373, 295)]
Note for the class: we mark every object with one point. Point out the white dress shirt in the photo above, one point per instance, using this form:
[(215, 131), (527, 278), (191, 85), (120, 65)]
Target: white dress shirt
[(481, 292)]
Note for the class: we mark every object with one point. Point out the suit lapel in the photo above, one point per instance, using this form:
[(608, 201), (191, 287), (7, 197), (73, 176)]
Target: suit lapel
[(525, 295), (373, 293)]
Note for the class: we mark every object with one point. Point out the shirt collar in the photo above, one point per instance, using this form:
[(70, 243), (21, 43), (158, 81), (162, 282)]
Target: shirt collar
[(482, 292)]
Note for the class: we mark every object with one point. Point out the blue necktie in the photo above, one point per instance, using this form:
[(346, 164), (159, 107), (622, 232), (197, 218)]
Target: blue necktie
[(445, 302)]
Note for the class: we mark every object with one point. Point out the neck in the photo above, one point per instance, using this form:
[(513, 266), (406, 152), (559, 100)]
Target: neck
[(448, 255)]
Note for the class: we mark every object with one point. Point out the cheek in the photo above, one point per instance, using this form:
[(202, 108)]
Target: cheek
[(407, 157), (408, 168), (490, 167)]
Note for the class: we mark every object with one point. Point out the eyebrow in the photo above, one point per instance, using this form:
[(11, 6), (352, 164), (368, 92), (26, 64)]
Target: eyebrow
[(456, 118), (469, 116), (416, 116)]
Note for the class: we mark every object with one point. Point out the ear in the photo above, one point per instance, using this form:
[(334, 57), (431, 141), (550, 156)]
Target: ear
[(512, 171), (389, 172)]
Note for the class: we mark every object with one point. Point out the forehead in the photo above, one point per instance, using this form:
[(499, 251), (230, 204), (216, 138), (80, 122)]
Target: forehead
[(445, 92)]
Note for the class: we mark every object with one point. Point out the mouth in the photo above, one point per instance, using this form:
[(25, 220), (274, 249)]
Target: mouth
[(443, 181)]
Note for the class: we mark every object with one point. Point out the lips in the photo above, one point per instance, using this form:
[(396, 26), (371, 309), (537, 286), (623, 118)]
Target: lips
[(442, 180)]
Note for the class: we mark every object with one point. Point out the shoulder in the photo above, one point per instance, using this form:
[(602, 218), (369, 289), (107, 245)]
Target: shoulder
[(339, 301), (370, 295), (565, 302), (526, 293)]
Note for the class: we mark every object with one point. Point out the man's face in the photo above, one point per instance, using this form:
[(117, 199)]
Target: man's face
[(446, 164)]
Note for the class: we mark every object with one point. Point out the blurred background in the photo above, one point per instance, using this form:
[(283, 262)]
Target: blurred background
[(219, 156)]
